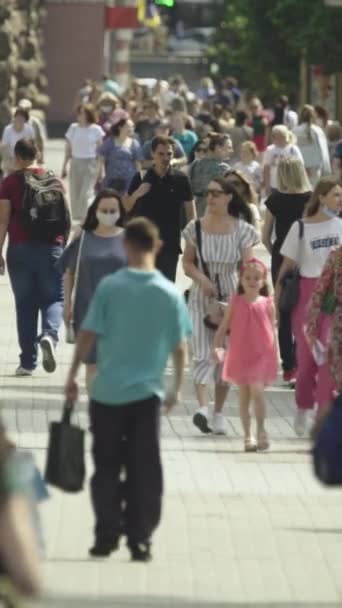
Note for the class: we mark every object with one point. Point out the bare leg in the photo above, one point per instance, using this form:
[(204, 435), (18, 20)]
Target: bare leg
[(245, 417), (258, 396), (201, 391), (221, 392), (90, 373)]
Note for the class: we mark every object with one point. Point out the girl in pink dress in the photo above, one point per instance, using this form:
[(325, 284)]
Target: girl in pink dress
[(251, 360)]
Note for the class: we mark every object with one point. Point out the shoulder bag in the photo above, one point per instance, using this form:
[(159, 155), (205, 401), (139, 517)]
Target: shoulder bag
[(70, 330), (215, 308), (290, 283)]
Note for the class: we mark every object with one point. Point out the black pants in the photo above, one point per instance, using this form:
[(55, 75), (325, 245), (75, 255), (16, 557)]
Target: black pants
[(167, 262), (138, 423), (287, 345)]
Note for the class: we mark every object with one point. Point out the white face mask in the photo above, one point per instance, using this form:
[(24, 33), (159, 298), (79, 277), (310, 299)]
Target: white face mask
[(107, 219), (106, 109), (329, 212)]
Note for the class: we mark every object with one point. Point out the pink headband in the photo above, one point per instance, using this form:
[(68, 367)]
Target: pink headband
[(256, 262)]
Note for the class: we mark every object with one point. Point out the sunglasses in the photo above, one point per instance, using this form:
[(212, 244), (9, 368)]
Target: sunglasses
[(214, 192)]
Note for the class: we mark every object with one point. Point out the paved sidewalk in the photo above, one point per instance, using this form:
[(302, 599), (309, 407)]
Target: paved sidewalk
[(238, 529)]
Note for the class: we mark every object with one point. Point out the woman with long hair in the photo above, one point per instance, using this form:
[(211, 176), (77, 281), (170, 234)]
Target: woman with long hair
[(95, 253), (313, 145), (82, 140), (227, 238), (308, 250), (283, 146), (283, 207), (247, 192)]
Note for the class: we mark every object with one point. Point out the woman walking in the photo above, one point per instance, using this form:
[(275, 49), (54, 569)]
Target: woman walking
[(313, 145), (307, 247), (283, 208), (82, 140), (282, 147), (227, 237), (119, 154), (19, 128), (97, 252), (246, 191)]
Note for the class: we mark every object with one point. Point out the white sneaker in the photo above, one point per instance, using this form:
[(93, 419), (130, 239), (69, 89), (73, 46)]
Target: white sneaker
[(48, 352), (300, 420), (20, 372), (218, 425), (200, 420)]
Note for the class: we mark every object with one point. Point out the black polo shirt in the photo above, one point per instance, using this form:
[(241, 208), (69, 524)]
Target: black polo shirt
[(164, 203)]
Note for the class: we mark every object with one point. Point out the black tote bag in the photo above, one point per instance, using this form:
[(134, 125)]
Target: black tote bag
[(65, 465)]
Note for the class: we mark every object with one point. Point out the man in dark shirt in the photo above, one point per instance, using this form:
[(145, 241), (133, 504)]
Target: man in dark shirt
[(161, 195), (36, 283)]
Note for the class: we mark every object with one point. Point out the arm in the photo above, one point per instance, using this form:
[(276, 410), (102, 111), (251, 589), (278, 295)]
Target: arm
[(224, 327), (18, 546), (99, 168), (267, 230), (85, 341), (322, 288), (267, 179), (178, 358), (191, 270), (69, 280), (130, 200), (5, 213), (190, 210), (67, 157)]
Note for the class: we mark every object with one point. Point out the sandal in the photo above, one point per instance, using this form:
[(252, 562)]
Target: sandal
[(250, 444), (263, 442)]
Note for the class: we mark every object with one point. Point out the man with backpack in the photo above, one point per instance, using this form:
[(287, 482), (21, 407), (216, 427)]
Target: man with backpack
[(35, 215)]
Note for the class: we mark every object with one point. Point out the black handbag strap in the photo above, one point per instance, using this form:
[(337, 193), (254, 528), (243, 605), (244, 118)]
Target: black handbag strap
[(199, 247), (301, 228), (67, 412)]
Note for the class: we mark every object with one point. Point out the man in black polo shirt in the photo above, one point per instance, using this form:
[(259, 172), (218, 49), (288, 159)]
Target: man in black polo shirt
[(162, 194)]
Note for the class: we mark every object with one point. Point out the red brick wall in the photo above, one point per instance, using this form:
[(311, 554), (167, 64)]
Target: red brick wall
[(74, 40)]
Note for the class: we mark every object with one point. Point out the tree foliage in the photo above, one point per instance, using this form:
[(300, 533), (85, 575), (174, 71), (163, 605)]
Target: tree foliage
[(261, 41)]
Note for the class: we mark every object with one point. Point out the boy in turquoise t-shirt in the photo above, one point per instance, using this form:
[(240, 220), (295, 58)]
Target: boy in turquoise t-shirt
[(138, 318)]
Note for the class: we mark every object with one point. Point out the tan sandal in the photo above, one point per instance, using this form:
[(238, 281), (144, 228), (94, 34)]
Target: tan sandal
[(250, 444)]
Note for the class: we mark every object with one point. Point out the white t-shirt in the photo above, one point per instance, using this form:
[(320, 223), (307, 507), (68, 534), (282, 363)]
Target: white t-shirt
[(10, 137), (274, 154), (311, 252), (84, 140)]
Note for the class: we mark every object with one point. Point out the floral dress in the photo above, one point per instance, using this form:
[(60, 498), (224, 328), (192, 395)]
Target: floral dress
[(222, 253), (330, 282)]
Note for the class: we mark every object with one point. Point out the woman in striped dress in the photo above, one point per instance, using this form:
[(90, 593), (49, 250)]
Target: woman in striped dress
[(227, 238)]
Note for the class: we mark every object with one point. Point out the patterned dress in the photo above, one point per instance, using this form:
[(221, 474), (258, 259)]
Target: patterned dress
[(330, 282), (222, 253)]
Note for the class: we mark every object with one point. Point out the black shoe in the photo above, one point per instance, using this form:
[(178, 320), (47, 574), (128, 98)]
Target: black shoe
[(201, 422), (103, 548), (141, 552)]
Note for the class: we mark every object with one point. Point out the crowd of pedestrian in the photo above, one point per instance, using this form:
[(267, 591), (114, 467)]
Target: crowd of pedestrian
[(156, 171)]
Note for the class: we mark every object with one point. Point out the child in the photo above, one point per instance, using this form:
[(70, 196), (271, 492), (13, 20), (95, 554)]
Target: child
[(249, 166), (251, 360)]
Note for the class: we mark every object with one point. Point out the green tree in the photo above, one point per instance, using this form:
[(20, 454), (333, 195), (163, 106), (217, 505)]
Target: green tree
[(261, 41)]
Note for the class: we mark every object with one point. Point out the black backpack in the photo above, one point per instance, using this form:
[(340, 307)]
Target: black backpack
[(45, 211)]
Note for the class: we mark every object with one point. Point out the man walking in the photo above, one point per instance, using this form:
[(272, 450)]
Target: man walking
[(138, 319), (164, 196), (34, 214)]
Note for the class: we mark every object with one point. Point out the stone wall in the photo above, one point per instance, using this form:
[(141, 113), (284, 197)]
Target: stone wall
[(21, 61)]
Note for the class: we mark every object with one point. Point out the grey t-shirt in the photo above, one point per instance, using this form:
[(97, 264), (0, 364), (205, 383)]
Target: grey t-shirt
[(100, 256)]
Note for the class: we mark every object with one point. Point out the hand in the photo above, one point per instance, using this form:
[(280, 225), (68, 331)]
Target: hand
[(64, 173), (2, 265), (208, 287), (171, 400), (143, 189), (311, 340), (71, 390)]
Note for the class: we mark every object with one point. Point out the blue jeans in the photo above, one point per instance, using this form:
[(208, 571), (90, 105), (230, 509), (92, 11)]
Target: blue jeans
[(37, 286)]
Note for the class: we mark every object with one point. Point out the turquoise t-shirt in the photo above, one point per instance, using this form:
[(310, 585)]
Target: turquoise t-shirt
[(139, 318), (188, 139)]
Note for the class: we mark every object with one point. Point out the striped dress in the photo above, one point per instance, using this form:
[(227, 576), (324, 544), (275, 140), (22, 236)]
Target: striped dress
[(222, 253)]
